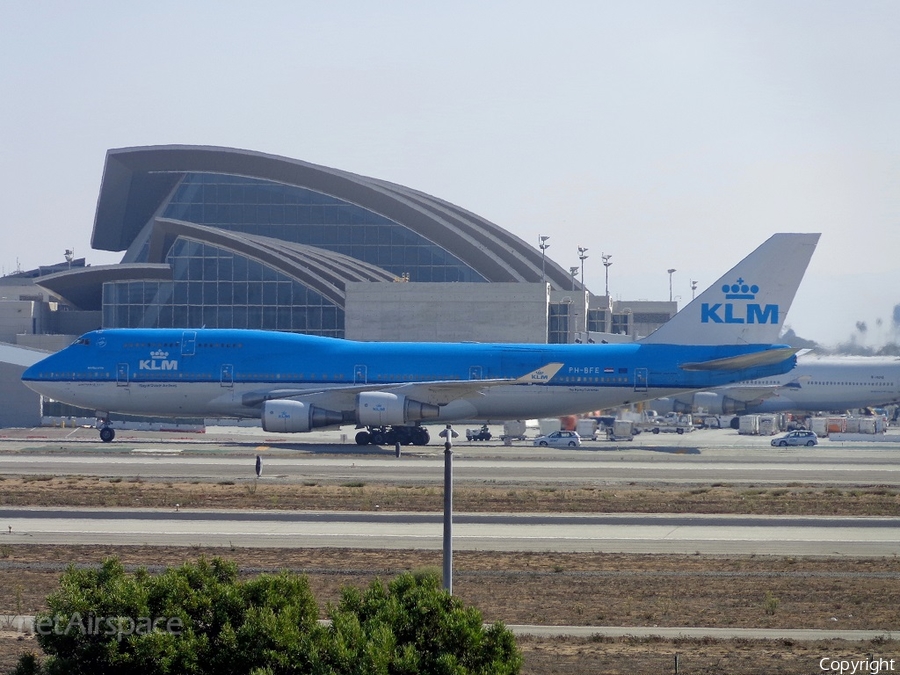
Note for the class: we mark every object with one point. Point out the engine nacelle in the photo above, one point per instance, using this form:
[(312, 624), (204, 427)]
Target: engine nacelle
[(709, 402), (287, 417), (718, 404), (681, 404), (380, 408)]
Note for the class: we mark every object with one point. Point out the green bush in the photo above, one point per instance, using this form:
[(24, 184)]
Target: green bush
[(200, 619)]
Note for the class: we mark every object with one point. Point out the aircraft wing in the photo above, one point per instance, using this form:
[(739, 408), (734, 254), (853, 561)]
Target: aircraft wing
[(752, 394), (748, 393), (436, 392)]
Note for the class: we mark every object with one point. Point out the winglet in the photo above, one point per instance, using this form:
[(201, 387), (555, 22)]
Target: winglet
[(749, 303), (540, 376)]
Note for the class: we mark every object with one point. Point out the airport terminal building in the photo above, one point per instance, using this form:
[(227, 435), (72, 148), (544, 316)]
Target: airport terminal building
[(224, 238)]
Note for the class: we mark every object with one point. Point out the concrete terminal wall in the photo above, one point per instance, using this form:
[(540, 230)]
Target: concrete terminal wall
[(20, 406), (440, 312)]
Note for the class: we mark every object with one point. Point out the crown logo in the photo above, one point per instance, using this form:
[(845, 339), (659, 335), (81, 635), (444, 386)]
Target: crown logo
[(159, 354), (740, 290)]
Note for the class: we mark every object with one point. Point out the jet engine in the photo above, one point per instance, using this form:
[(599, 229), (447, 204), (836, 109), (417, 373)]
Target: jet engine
[(380, 408), (709, 401), (718, 404), (296, 416), (681, 404)]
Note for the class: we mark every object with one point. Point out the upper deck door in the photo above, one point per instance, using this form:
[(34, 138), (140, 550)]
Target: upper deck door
[(227, 379)]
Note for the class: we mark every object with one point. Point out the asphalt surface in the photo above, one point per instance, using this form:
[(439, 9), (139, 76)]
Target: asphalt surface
[(620, 533), (702, 457)]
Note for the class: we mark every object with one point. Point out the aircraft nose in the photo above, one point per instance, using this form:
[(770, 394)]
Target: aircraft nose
[(35, 374)]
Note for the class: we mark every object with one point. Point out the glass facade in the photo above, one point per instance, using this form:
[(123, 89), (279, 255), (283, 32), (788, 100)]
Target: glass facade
[(218, 288), (597, 320), (558, 323), (304, 216)]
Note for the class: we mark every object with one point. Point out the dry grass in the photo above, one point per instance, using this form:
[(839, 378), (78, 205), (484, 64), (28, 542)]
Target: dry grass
[(250, 494)]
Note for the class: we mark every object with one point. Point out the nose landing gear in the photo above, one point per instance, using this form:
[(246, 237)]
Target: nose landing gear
[(107, 433)]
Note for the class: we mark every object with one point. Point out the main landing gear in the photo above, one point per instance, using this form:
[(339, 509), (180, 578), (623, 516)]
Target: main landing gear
[(390, 435)]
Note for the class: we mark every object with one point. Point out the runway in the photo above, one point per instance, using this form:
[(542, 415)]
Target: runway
[(570, 468), (627, 533)]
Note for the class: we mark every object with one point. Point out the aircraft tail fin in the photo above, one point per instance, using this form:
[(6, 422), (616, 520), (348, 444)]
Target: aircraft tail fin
[(749, 303)]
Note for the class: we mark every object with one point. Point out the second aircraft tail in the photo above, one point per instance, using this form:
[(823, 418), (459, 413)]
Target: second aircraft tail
[(749, 303)]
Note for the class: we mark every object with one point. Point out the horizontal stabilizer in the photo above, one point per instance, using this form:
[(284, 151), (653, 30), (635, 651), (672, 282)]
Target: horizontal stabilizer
[(765, 358)]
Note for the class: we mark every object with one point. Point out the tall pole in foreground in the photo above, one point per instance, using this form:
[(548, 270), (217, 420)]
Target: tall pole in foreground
[(448, 435), (671, 272)]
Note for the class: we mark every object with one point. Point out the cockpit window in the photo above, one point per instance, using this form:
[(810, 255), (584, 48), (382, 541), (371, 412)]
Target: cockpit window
[(82, 341)]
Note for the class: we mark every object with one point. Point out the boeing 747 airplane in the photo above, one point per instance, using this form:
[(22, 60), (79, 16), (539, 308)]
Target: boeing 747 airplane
[(816, 384), (296, 383)]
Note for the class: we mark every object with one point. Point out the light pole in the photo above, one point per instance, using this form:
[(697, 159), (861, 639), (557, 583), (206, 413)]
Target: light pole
[(606, 264), (693, 288), (543, 245), (582, 256), (574, 272), (671, 272)]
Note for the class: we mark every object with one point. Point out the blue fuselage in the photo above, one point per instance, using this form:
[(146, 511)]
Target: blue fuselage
[(211, 372)]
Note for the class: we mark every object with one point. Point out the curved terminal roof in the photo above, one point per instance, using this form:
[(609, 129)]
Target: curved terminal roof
[(83, 287), (324, 271), (136, 181)]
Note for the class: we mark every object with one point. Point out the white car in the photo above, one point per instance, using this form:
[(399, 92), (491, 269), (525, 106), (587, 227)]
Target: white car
[(559, 439), (802, 437)]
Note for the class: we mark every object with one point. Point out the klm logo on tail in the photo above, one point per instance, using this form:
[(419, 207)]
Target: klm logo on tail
[(730, 312), (158, 361)]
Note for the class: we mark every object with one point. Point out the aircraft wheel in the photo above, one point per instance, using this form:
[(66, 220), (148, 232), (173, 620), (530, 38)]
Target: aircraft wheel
[(363, 438), (421, 437), (377, 438), (809, 444), (107, 434)]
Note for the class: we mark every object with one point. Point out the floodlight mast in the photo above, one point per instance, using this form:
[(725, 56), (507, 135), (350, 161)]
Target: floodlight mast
[(607, 265), (543, 245)]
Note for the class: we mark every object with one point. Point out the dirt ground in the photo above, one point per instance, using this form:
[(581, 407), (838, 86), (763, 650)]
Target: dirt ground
[(568, 589), (532, 588), (646, 656)]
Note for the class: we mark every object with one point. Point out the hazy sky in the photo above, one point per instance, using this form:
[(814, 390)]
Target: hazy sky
[(668, 134)]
